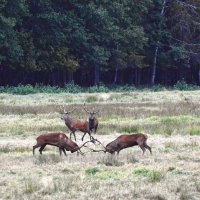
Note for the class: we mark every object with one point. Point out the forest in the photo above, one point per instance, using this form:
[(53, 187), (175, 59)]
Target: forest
[(55, 42)]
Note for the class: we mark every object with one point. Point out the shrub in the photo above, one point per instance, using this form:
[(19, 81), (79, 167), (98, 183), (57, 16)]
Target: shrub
[(194, 131), (130, 129), (182, 85), (91, 99), (155, 175), (141, 171), (30, 186), (111, 160), (91, 171), (98, 88)]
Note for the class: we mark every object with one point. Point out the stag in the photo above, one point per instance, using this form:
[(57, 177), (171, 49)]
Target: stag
[(58, 139), (125, 141), (76, 125), (93, 121)]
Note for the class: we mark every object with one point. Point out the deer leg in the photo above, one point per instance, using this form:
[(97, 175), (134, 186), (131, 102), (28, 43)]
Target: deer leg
[(74, 136), (83, 136), (148, 147), (64, 152), (143, 148), (42, 148), (34, 147), (60, 150)]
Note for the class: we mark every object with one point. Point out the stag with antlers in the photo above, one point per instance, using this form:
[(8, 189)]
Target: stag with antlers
[(58, 139), (93, 121), (75, 125)]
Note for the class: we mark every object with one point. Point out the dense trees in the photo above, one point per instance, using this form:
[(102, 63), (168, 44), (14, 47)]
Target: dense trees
[(93, 41)]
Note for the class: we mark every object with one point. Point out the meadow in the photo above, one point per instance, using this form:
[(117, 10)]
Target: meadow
[(171, 119)]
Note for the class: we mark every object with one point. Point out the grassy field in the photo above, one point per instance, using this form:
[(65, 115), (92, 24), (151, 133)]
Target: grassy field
[(171, 119)]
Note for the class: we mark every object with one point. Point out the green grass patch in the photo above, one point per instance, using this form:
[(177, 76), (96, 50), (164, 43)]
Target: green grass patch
[(91, 99), (153, 175), (130, 129), (194, 131), (92, 170)]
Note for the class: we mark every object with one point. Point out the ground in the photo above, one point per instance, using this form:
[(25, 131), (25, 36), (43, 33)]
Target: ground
[(169, 118)]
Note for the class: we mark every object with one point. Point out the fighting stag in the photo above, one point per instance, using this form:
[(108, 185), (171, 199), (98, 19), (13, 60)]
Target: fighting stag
[(93, 121), (125, 141), (75, 125), (58, 139)]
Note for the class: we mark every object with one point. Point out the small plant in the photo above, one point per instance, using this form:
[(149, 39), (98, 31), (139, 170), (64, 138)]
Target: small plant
[(131, 159), (175, 170), (194, 131), (92, 171), (182, 85), (141, 171), (30, 186), (91, 99), (130, 129), (111, 161), (155, 175)]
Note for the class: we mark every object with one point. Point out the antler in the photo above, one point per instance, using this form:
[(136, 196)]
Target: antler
[(63, 109), (94, 150), (84, 144), (86, 109)]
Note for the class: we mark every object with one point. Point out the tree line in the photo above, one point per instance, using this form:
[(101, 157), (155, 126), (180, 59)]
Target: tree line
[(99, 41)]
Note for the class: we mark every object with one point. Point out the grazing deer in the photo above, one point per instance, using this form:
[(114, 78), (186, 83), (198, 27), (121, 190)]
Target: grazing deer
[(76, 125), (125, 141), (58, 139), (93, 121)]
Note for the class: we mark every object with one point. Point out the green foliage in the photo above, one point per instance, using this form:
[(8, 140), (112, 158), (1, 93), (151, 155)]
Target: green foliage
[(130, 129), (141, 171), (91, 99), (98, 88), (152, 174), (182, 85), (91, 171), (155, 175), (194, 131)]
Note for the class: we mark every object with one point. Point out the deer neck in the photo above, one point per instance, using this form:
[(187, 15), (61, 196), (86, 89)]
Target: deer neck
[(68, 121)]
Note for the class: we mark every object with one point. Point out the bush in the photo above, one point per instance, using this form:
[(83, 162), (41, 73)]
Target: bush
[(130, 129), (91, 171), (182, 85), (155, 175), (98, 88), (194, 131), (91, 99)]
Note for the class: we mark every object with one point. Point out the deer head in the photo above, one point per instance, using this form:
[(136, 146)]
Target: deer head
[(91, 114), (66, 113)]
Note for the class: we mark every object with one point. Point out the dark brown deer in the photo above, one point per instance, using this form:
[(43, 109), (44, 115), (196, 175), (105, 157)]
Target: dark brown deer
[(93, 121), (125, 141), (76, 125), (58, 139)]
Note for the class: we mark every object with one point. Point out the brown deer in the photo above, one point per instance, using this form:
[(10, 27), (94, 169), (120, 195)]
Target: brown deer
[(58, 139), (93, 121), (76, 125), (125, 141)]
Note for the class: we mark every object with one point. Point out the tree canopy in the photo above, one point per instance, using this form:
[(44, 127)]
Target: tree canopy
[(93, 41)]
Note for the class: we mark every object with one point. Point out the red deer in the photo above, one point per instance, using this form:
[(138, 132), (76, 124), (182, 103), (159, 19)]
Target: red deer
[(93, 121), (125, 141), (76, 125), (58, 139)]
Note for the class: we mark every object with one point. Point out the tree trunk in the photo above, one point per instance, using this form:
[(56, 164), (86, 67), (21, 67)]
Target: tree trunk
[(154, 65), (115, 76), (96, 75), (199, 76)]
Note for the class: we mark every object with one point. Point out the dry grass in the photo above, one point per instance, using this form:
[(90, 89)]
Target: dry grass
[(171, 120)]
